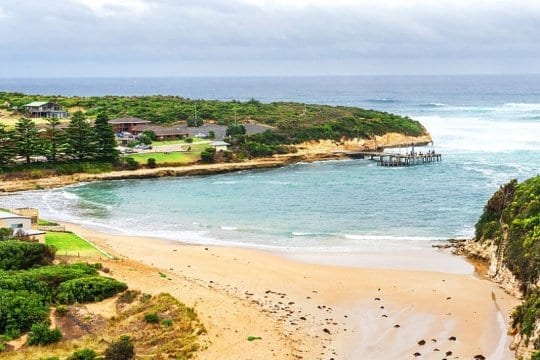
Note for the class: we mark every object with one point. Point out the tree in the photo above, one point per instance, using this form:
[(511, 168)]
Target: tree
[(55, 138), (105, 139), (235, 129), (26, 138), (7, 151), (80, 137)]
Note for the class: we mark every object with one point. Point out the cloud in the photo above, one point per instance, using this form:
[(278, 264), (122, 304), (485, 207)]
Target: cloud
[(269, 36), (107, 8)]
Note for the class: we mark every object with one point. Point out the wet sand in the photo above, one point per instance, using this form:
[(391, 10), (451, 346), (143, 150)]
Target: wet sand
[(304, 309)]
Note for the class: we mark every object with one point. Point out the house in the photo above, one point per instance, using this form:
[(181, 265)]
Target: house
[(122, 125), (21, 226), (220, 145), (45, 109), (162, 132)]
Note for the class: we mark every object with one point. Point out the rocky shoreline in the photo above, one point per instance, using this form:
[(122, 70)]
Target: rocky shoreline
[(484, 257)]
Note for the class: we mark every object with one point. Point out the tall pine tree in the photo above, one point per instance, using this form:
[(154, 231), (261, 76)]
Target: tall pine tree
[(105, 139), (55, 139), (80, 137), (27, 142), (7, 149)]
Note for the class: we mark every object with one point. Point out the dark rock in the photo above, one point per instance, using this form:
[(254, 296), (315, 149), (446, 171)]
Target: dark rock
[(452, 338), (417, 354), (327, 331), (422, 342), (479, 357)]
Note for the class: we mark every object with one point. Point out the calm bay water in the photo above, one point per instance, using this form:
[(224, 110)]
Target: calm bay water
[(487, 127)]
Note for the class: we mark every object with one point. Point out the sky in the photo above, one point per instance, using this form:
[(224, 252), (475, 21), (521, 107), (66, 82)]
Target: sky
[(57, 38)]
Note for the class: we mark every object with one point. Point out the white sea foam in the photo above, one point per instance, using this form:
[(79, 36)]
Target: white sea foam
[(473, 134), (229, 228)]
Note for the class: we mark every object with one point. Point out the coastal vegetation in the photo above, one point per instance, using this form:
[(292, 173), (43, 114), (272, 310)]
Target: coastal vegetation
[(289, 124), (511, 219), (30, 289)]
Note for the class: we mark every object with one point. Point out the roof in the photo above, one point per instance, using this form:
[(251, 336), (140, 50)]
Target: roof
[(37, 103), (8, 215), (219, 143), (128, 120), (162, 130)]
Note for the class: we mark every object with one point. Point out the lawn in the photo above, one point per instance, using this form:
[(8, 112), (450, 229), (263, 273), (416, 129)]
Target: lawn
[(68, 243), (175, 157)]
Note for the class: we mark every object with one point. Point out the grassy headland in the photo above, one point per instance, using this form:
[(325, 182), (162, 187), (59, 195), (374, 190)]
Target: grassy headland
[(84, 142)]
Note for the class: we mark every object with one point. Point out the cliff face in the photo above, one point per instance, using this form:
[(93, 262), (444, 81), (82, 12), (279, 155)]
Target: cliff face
[(508, 236), (387, 140)]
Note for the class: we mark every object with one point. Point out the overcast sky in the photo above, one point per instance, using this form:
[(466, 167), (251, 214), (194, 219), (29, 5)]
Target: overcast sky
[(267, 37)]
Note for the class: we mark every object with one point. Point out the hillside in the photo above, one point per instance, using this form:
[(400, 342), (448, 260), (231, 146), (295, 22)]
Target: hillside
[(295, 121), (511, 222)]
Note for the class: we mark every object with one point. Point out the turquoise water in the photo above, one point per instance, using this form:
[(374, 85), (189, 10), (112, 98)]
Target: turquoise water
[(488, 130)]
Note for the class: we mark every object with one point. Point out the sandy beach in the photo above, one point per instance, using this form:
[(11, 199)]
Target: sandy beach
[(307, 310)]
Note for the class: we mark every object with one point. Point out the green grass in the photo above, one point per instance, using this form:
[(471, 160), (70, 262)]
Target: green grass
[(168, 158), (42, 222), (68, 243)]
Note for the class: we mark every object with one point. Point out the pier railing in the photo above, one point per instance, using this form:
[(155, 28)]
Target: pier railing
[(393, 159)]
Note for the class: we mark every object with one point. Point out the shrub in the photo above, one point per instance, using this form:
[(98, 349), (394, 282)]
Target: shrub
[(88, 289), (19, 255), (151, 318), (208, 154), (44, 280), (40, 334), (19, 310), (189, 140), (131, 163), (167, 322), (151, 163), (84, 354), (121, 349)]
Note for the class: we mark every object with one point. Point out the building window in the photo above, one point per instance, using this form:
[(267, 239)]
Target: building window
[(16, 226)]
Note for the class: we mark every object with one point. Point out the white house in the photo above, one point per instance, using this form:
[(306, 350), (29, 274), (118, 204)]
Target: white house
[(21, 225), (220, 145)]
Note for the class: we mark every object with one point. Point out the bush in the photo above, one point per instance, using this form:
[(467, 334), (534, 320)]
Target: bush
[(40, 334), (208, 154), (189, 140), (151, 163), (167, 322), (44, 280), (19, 310), (121, 349), (20, 255), (131, 163), (151, 318), (88, 289), (84, 354)]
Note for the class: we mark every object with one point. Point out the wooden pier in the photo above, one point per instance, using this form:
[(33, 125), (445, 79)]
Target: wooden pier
[(395, 159)]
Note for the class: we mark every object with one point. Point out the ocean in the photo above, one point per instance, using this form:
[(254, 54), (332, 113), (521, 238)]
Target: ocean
[(486, 127)]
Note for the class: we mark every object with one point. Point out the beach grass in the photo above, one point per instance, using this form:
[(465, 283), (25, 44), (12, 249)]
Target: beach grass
[(68, 243), (176, 157)]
